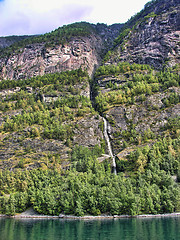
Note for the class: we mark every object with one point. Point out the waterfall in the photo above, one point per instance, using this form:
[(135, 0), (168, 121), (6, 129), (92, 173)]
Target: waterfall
[(109, 145)]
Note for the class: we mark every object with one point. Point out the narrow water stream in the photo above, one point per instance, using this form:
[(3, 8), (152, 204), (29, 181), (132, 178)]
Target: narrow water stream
[(109, 146)]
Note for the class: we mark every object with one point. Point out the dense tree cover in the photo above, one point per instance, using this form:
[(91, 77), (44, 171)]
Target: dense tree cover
[(47, 119), (50, 116), (63, 78), (144, 182), (121, 67), (90, 188), (58, 36), (163, 155)]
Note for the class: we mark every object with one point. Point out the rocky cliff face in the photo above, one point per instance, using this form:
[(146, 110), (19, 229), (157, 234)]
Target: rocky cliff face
[(140, 119), (77, 118), (140, 104), (153, 36), (137, 112), (36, 59), (80, 52)]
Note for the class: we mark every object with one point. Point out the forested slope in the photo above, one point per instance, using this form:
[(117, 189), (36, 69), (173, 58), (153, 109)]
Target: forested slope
[(52, 138), (53, 153)]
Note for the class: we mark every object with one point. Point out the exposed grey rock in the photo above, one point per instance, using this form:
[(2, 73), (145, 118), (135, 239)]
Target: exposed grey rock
[(88, 132), (153, 40), (37, 59), (143, 116), (7, 92)]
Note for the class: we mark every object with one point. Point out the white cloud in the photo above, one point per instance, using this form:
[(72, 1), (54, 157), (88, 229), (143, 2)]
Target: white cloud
[(21, 17)]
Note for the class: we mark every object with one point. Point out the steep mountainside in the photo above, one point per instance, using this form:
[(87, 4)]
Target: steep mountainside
[(140, 104), (43, 118), (71, 114), (64, 97), (67, 48), (152, 36), (138, 100)]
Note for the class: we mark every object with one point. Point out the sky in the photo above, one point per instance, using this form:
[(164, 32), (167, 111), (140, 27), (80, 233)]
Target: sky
[(28, 17)]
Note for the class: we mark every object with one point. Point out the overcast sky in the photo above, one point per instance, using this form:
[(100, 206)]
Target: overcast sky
[(21, 17)]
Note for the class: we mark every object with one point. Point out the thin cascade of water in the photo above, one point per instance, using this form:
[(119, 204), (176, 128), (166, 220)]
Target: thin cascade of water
[(109, 145)]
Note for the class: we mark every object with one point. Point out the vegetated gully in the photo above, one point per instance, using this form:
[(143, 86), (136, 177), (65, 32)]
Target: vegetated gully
[(93, 94)]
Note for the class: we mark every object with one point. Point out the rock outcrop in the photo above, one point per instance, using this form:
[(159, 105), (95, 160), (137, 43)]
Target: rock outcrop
[(84, 52), (153, 37), (36, 59), (141, 117), (136, 113)]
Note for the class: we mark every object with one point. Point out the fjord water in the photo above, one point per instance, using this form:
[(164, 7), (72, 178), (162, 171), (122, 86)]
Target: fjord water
[(119, 229)]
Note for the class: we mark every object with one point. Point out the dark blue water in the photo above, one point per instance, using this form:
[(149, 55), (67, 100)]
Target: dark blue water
[(121, 229)]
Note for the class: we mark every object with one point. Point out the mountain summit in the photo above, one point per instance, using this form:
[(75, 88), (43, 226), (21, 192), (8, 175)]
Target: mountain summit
[(67, 48), (150, 37)]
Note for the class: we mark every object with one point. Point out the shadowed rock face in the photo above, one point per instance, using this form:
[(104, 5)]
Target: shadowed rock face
[(154, 37)]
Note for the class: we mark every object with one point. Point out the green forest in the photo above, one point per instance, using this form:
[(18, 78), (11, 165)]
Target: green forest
[(148, 178), (54, 156), (141, 82), (90, 188), (46, 119)]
